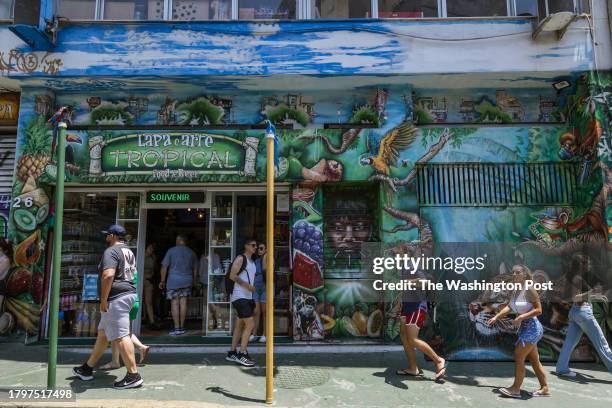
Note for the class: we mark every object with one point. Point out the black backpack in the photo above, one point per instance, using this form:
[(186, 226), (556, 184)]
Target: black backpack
[(229, 284)]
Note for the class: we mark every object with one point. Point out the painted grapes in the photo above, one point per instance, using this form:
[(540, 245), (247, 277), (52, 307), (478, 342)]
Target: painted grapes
[(308, 239)]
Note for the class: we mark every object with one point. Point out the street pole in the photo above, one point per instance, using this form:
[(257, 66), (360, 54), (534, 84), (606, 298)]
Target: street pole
[(270, 137), (57, 255)]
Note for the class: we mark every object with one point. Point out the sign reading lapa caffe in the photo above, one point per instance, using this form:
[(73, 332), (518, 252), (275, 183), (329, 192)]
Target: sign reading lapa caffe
[(153, 156)]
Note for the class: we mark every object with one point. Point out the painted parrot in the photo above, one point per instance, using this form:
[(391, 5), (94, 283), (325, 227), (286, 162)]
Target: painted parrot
[(396, 140)]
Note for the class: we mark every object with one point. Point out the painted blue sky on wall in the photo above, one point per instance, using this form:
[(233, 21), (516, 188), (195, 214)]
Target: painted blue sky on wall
[(304, 47)]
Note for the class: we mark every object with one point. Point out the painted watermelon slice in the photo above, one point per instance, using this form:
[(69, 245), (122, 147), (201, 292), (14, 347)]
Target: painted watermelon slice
[(306, 272)]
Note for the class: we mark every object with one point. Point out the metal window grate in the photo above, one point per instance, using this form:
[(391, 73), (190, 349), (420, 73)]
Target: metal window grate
[(496, 184)]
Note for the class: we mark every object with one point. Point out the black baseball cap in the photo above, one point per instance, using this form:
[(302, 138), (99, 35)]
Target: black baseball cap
[(116, 230)]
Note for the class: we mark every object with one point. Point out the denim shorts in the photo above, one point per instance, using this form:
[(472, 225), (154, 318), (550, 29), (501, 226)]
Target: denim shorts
[(531, 331), (260, 290)]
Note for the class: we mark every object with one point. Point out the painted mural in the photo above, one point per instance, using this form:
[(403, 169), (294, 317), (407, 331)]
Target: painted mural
[(314, 160), (309, 47), (5, 204)]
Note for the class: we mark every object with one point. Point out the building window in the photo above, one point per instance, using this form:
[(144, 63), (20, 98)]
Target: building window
[(577, 6), (476, 8), (342, 9), (407, 8), (187, 10), (496, 184), (131, 10), (525, 8), (77, 9), (6, 9), (266, 9)]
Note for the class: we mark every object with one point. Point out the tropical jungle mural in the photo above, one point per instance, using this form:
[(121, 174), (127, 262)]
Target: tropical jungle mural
[(376, 162)]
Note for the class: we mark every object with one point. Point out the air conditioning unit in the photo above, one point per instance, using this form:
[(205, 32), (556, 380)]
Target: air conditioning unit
[(557, 22)]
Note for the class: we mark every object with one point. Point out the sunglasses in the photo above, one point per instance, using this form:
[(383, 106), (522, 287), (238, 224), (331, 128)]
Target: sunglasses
[(253, 245), (262, 248)]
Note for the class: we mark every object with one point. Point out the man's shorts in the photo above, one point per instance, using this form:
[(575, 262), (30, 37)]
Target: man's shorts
[(178, 293), (244, 307), (116, 321)]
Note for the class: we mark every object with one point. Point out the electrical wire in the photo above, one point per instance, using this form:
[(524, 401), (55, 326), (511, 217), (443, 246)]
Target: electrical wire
[(358, 29)]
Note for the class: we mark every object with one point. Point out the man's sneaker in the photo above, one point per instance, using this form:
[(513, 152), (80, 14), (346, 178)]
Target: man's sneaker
[(262, 339), (84, 372), (232, 356), (129, 381), (174, 332), (245, 360), (180, 331), (252, 338), (568, 374)]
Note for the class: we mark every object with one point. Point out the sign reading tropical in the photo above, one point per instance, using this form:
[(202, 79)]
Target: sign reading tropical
[(154, 156)]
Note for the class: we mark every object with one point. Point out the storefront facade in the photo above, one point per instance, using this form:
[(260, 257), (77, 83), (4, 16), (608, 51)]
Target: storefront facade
[(388, 135), (9, 113)]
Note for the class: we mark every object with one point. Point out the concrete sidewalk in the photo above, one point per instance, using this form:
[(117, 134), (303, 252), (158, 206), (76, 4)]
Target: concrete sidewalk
[(361, 378)]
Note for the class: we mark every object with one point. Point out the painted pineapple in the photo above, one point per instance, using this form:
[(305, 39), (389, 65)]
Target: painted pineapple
[(35, 155)]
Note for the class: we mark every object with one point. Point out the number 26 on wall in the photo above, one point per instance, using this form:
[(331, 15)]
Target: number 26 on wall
[(27, 202)]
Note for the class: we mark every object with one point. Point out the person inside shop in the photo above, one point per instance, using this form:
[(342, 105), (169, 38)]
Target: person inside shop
[(412, 317), (241, 280), (525, 304), (150, 261), (180, 266), (581, 317), (117, 292), (6, 255), (6, 258), (203, 273), (259, 296)]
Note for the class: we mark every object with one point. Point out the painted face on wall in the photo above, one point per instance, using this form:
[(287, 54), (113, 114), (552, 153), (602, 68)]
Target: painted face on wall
[(347, 234)]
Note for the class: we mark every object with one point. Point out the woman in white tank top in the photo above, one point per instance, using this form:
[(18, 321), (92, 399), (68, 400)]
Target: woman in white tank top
[(525, 304)]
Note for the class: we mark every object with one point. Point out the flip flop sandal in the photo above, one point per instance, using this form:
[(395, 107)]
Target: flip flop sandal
[(409, 374), (508, 394), (143, 355), (441, 372), (539, 393), (109, 366)]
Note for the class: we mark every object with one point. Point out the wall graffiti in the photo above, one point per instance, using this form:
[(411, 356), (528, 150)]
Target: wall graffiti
[(17, 61)]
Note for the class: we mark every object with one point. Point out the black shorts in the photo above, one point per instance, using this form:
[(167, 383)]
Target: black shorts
[(244, 307)]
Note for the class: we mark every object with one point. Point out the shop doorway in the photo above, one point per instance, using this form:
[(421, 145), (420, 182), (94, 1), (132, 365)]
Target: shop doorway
[(163, 227), (220, 231)]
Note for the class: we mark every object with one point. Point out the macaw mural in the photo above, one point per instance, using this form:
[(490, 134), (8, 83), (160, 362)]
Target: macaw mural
[(378, 159)]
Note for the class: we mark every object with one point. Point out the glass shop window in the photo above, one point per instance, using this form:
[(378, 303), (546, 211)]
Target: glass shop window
[(342, 9), (133, 10), (85, 216), (187, 10), (407, 8), (476, 8), (266, 9), (77, 9), (6, 9)]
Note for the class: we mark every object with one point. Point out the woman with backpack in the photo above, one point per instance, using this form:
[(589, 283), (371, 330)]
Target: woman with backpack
[(240, 284)]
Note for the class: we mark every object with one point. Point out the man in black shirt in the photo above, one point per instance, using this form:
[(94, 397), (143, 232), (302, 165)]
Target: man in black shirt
[(117, 297)]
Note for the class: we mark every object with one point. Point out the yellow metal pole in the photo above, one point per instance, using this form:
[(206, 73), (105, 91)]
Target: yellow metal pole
[(270, 270)]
